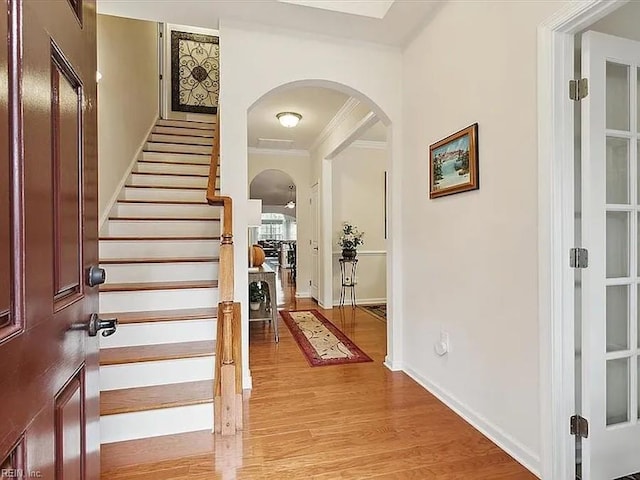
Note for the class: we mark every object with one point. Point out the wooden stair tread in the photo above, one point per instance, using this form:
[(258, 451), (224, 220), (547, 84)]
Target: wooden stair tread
[(164, 122), (166, 202), (173, 187), (208, 155), (169, 162), (144, 286), (163, 315), (110, 261), (153, 353), (169, 174), (164, 219), (152, 398), (157, 449), (162, 238)]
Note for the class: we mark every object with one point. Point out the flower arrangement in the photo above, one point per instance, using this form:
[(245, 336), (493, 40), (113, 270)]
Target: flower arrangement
[(351, 237)]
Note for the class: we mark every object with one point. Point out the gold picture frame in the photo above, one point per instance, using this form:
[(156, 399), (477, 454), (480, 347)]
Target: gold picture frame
[(453, 163)]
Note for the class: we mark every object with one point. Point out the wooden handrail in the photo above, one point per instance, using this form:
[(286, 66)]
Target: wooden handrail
[(228, 368)]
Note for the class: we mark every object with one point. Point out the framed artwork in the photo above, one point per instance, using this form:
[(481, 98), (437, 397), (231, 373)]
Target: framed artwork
[(454, 163), (195, 73)]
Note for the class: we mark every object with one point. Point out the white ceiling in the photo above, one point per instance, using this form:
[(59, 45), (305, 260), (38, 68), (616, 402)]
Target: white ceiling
[(272, 187), (366, 8), (316, 105), (402, 21)]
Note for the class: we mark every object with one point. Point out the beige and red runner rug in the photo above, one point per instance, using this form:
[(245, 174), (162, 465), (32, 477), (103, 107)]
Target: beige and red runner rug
[(320, 340)]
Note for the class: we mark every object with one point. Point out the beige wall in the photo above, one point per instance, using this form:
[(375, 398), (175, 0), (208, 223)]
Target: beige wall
[(470, 260), (358, 197), (127, 97), (299, 169)]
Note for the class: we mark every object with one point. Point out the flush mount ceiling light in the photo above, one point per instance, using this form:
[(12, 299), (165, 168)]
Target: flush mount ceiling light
[(290, 203), (289, 119)]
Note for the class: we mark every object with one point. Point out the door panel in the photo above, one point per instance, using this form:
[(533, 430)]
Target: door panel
[(70, 436), (610, 285), (66, 131), (50, 390), (5, 192)]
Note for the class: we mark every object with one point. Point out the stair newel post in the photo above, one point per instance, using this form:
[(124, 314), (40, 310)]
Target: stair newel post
[(228, 402)]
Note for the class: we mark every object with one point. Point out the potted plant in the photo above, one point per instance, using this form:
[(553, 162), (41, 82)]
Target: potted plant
[(350, 240), (256, 296)]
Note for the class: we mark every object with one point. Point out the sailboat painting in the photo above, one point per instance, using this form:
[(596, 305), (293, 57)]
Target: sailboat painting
[(454, 163)]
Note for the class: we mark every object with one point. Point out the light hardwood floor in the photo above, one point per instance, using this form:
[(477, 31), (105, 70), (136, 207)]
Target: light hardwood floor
[(354, 421)]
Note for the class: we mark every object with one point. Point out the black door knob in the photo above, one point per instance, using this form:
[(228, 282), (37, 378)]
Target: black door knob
[(108, 326), (96, 276)]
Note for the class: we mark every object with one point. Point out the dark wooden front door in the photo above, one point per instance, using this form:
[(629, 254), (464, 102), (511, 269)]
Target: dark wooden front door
[(49, 399)]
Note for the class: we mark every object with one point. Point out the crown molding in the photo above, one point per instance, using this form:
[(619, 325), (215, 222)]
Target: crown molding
[(362, 126), (275, 151), (370, 144), (337, 119)]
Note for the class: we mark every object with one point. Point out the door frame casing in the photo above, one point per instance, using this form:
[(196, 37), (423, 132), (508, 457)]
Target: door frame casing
[(556, 38)]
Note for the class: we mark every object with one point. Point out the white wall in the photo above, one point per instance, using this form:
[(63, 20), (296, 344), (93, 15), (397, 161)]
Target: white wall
[(299, 169), (470, 260), (256, 60), (127, 97), (358, 197)]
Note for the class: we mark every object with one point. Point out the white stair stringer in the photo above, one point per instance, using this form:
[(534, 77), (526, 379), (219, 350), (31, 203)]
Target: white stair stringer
[(160, 247), (154, 423)]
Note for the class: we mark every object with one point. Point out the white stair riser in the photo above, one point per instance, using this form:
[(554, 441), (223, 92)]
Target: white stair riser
[(153, 333), (164, 228), (147, 374), (158, 248), (177, 148), (207, 126), (175, 158), (160, 272), (168, 180), (166, 194), (177, 168), (182, 131), (162, 210), (154, 423), (140, 301), (181, 139)]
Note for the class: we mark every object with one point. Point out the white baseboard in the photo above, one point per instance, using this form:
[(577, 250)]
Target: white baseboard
[(391, 365), (506, 442), (306, 294), (363, 301), (247, 382), (116, 193)]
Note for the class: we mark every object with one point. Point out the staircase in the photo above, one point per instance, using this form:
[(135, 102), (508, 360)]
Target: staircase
[(160, 250)]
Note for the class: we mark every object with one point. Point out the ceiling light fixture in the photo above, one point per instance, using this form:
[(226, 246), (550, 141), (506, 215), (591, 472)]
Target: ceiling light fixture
[(289, 119), (291, 203)]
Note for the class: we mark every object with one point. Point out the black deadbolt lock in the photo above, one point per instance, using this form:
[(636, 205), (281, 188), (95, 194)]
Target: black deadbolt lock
[(96, 276)]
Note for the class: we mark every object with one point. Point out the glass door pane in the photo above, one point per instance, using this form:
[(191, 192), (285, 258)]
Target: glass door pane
[(617, 170), (617, 96), (617, 244), (617, 391)]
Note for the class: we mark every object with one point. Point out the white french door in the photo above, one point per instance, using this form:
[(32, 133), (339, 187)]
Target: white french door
[(610, 208), (315, 270)]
